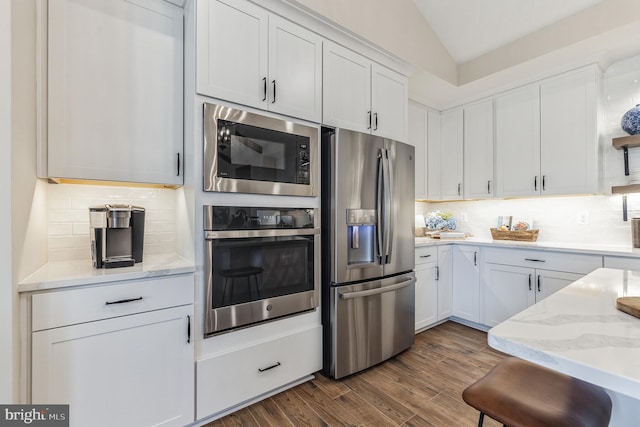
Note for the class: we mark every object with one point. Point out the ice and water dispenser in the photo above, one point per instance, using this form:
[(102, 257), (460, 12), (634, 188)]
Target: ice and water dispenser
[(361, 230)]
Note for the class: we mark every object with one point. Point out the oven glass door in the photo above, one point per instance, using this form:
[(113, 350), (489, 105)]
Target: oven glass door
[(258, 154), (256, 268)]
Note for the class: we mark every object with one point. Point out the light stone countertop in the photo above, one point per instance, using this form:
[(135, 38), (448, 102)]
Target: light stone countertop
[(62, 274), (585, 248), (579, 331)]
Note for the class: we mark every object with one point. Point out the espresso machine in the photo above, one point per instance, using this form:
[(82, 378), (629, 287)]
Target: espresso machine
[(117, 235)]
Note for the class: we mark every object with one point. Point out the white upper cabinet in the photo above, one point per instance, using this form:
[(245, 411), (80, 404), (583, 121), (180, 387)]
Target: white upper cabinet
[(363, 96), (418, 138), (434, 153), (113, 91), (424, 135), (451, 160), (568, 134), (389, 96), (346, 89), (232, 64), (517, 129), (272, 64), (546, 137), (479, 182)]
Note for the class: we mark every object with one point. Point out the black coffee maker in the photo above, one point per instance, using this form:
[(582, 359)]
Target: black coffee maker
[(117, 235)]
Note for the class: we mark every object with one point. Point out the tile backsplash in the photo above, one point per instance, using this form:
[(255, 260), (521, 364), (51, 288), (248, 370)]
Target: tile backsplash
[(68, 216), (579, 219)]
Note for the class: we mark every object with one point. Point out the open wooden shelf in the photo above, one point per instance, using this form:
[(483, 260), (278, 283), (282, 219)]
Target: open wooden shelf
[(625, 189), (630, 141)]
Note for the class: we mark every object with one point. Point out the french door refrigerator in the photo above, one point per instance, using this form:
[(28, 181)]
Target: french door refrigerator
[(368, 284)]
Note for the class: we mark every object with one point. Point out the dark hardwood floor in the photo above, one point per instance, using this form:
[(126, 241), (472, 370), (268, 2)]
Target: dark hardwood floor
[(420, 387)]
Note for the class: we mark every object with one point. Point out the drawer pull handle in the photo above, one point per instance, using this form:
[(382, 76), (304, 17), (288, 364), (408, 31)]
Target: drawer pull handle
[(122, 301), (534, 260), (425, 256), (269, 367)]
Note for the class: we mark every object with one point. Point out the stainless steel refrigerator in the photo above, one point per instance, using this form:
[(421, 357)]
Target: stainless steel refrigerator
[(368, 284)]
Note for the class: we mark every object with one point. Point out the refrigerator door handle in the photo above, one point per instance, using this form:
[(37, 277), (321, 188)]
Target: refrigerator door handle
[(388, 205), (379, 204)]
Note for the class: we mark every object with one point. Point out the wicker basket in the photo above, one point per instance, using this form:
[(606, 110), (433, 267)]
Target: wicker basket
[(521, 236)]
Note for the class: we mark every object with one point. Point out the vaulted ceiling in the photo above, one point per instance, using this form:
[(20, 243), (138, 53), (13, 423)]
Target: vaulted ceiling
[(461, 50)]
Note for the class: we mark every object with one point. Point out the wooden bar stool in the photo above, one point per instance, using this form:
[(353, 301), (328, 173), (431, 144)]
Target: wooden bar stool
[(248, 273), (518, 393)]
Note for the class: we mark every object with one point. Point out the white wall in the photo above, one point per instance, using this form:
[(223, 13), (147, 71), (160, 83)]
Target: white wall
[(557, 217), (6, 287)]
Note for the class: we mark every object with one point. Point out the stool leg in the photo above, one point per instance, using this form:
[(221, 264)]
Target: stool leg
[(481, 419), (224, 289), (255, 280)]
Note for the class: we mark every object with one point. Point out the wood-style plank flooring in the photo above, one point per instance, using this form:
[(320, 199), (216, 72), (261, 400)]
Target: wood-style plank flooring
[(420, 387)]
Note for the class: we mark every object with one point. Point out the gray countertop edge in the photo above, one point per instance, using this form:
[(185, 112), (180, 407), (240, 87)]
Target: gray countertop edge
[(64, 274), (584, 248)]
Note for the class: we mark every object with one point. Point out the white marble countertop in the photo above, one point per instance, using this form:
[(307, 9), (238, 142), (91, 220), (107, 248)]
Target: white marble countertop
[(586, 248), (579, 331), (75, 273)]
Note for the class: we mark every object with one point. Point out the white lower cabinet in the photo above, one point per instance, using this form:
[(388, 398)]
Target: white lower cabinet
[(466, 283), (623, 263), (135, 369), (233, 377), (434, 274), (515, 279)]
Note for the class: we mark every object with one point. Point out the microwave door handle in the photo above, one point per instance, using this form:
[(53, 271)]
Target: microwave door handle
[(379, 201), (388, 200)]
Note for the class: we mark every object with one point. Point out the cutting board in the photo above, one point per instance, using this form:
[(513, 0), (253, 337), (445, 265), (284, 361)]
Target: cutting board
[(630, 305)]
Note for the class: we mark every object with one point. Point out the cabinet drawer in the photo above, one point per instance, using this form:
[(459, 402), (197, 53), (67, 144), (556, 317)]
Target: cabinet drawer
[(228, 379), (426, 254), (558, 261), (68, 307)]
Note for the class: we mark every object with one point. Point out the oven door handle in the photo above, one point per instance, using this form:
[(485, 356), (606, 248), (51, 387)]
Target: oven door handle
[(235, 234), (376, 291)]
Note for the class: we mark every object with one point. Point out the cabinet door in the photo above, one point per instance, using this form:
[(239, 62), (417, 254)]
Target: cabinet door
[(426, 295), (295, 70), (478, 150), (115, 91), (434, 155), (389, 103), (452, 154), (418, 138), (346, 89), (231, 51), (445, 281), (550, 282), (466, 283), (135, 370), (517, 118), (568, 137), (507, 291)]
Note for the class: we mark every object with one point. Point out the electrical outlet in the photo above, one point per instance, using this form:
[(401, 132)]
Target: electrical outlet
[(583, 218), (463, 217)]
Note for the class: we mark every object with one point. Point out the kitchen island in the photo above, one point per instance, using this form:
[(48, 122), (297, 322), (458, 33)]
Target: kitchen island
[(578, 331)]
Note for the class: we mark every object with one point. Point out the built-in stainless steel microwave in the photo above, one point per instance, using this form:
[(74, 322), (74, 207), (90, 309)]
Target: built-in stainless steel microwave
[(250, 153)]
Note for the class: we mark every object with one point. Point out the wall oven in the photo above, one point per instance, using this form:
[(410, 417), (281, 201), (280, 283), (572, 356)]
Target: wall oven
[(261, 264), (251, 153)]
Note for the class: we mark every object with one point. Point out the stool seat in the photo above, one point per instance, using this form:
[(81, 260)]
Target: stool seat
[(240, 272), (518, 393), (231, 274)]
